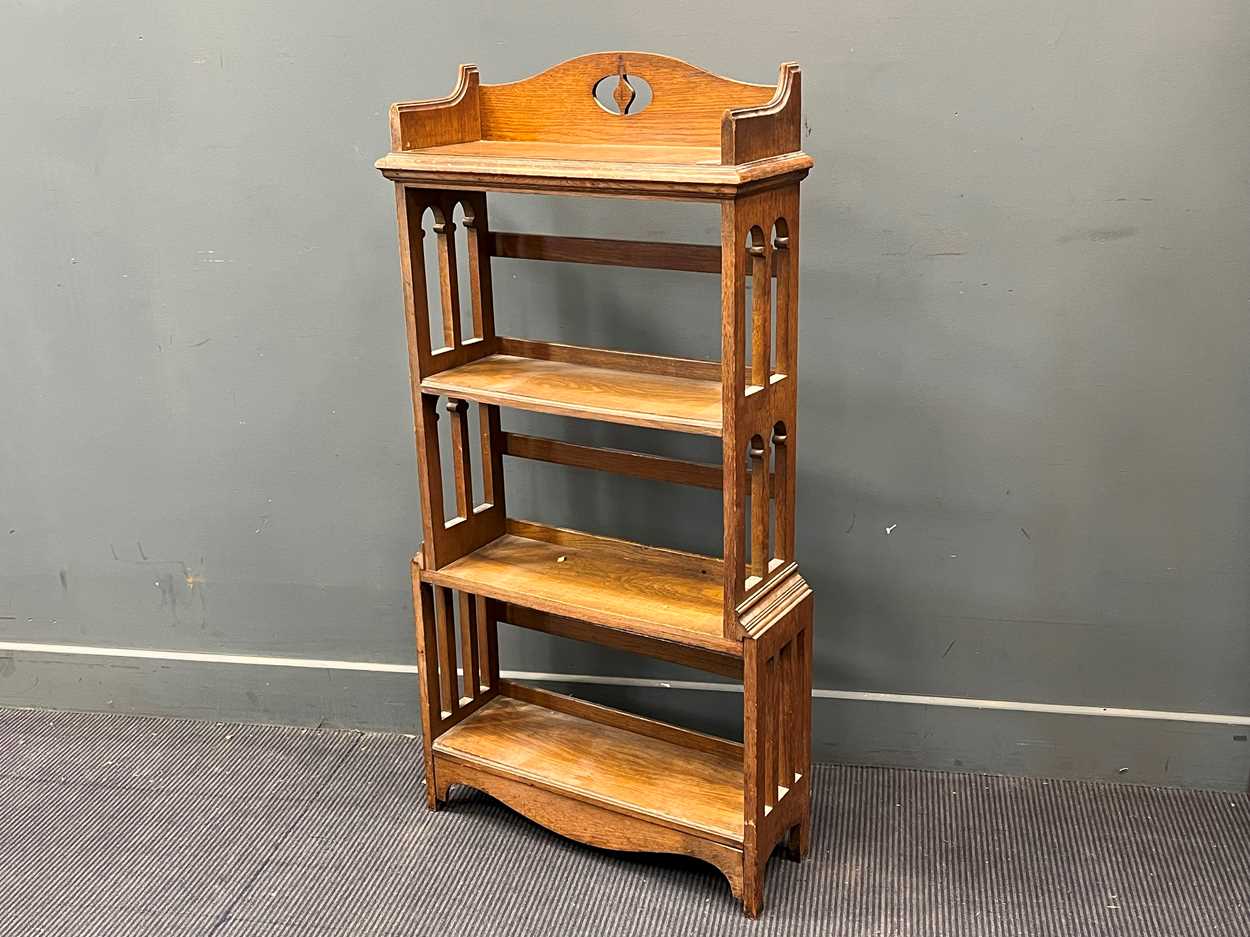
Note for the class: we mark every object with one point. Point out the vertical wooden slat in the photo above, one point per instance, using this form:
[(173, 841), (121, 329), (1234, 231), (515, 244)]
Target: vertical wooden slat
[(462, 467), (782, 503), (445, 617), (778, 714), (427, 674), (796, 706), (804, 690), (733, 375), (786, 739), (790, 269), (469, 646), (759, 508), (410, 206), (761, 314), (770, 734), (492, 455), (448, 276), (430, 475), (487, 643), (785, 316), (478, 246), (754, 735)]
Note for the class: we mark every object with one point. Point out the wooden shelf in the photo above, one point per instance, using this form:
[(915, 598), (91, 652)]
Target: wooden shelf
[(591, 391), (540, 166), (658, 593), (685, 781)]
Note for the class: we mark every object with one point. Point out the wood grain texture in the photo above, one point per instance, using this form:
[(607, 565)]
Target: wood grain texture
[(635, 152), (640, 725), (635, 172), (427, 642), (458, 411), (613, 583), (654, 255), (620, 461), (724, 662), (446, 538), (757, 409), (687, 106), (588, 823), (771, 128), (452, 119), (587, 392), (776, 740), (669, 784), (693, 368)]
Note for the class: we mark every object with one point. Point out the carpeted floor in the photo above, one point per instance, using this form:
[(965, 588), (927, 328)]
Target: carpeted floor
[(116, 825)]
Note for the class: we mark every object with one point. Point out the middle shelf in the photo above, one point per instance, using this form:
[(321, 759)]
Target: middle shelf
[(618, 387), (644, 590)]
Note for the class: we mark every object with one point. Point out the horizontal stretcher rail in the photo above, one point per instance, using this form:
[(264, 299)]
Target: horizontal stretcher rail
[(623, 462), (651, 255)]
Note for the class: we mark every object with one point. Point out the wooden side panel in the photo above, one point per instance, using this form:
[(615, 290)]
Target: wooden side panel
[(431, 351), (777, 693), (457, 662), (558, 105), (453, 119), (774, 128), (457, 655), (448, 348), (759, 237)]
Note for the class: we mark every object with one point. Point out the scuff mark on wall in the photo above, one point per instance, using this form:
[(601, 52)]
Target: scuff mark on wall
[(1099, 235)]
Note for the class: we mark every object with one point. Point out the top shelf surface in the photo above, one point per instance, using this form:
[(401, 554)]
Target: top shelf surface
[(698, 136)]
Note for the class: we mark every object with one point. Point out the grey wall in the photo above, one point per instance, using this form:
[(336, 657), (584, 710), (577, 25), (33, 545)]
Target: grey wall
[(1025, 442)]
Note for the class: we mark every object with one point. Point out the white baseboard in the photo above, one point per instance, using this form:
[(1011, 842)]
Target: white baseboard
[(958, 702)]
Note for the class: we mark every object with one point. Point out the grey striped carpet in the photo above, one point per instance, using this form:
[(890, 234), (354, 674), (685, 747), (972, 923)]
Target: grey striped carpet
[(115, 826)]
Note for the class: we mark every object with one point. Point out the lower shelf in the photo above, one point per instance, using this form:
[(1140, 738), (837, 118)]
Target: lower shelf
[(634, 767)]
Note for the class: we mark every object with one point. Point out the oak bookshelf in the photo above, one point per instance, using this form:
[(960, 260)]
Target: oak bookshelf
[(603, 776)]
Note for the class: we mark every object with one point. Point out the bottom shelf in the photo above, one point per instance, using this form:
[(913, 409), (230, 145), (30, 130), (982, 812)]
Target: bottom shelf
[(628, 765)]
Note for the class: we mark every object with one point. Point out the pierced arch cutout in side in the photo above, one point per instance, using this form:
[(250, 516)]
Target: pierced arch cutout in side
[(425, 279), (449, 262), (461, 431)]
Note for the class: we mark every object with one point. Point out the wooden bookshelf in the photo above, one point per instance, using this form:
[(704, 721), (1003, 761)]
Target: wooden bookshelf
[(599, 775)]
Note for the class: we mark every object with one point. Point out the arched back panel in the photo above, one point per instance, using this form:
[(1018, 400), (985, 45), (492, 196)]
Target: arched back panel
[(558, 105)]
